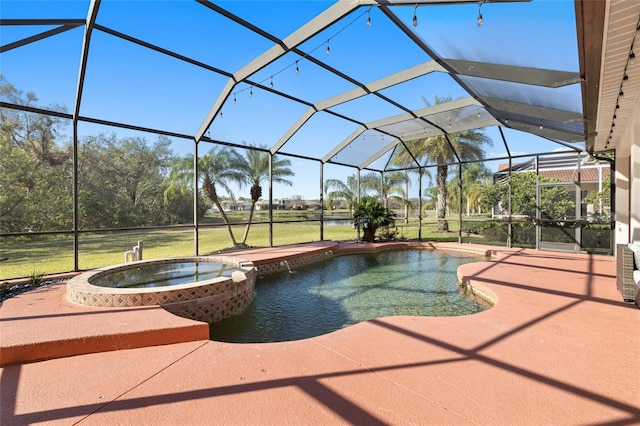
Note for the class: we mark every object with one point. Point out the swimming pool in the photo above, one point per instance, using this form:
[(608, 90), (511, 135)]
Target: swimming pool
[(349, 289)]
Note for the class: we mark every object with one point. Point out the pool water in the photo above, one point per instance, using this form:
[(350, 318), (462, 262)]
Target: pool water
[(163, 274), (347, 290)]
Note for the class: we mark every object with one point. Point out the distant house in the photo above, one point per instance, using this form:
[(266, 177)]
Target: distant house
[(278, 204), (289, 204), (233, 205)]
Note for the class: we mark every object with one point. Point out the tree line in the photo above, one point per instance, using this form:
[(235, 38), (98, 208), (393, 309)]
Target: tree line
[(122, 182)]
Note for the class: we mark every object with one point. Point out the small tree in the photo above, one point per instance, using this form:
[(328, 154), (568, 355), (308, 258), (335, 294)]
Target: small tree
[(601, 200), (254, 169), (554, 203), (337, 190), (371, 214)]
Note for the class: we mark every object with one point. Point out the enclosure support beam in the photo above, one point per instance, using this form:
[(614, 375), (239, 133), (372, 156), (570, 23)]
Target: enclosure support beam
[(578, 230), (459, 203), (358, 200), (270, 200), (538, 230), (321, 201), (37, 37), (383, 194), (509, 226), (90, 22), (196, 238), (420, 204)]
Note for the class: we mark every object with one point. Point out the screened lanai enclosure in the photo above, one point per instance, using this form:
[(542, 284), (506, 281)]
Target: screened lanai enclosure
[(200, 126)]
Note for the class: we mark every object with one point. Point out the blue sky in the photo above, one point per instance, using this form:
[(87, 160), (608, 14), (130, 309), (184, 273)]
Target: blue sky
[(130, 84)]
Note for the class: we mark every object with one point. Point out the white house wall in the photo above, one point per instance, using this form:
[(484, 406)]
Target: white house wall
[(627, 200), (634, 135)]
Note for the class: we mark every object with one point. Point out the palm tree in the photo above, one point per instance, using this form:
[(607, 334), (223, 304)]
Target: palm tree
[(370, 185), (216, 173), (255, 171), (335, 189), (437, 149), (474, 180), (395, 187)]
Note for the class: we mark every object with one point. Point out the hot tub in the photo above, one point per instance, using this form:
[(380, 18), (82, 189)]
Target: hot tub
[(203, 288)]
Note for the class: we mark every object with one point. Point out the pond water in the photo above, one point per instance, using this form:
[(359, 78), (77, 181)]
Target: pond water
[(347, 290), (338, 220)]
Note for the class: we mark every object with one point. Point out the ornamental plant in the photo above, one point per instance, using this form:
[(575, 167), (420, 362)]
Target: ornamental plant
[(370, 215)]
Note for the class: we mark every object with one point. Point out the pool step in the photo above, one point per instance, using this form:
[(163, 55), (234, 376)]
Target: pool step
[(41, 324)]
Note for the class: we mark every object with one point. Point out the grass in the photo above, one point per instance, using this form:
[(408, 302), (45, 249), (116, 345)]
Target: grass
[(39, 256)]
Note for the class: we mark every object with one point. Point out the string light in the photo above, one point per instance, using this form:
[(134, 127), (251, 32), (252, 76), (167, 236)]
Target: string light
[(415, 17), (296, 63), (480, 19), (625, 78)]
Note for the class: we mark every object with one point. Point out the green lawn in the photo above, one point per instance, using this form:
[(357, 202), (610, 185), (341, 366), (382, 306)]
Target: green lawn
[(27, 257)]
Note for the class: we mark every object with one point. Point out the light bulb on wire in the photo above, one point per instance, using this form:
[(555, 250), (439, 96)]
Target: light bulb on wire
[(415, 17), (480, 18)]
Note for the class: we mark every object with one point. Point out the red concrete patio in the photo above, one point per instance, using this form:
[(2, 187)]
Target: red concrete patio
[(559, 347)]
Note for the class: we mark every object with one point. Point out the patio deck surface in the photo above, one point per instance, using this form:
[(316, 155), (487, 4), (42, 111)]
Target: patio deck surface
[(559, 347)]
